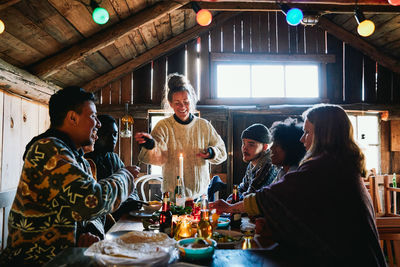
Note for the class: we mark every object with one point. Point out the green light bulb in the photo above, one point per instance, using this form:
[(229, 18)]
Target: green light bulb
[(100, 15)]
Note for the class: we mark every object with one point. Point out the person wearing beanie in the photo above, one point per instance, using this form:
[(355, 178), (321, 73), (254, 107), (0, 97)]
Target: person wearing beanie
[(260, 172)]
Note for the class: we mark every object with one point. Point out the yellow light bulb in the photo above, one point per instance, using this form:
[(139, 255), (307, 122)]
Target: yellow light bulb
[(366, 28), (2, 26)]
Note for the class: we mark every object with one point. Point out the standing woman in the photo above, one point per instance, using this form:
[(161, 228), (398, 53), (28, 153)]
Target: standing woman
[(184, 133), (322, 211)]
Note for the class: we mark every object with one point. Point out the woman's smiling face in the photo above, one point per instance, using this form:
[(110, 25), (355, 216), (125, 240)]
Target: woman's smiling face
[(181, 105)]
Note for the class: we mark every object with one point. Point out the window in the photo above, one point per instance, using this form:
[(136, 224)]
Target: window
[(267, 80), (366, 133)]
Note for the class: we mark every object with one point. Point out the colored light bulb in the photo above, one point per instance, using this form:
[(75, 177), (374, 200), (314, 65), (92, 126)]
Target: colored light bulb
[(366, 28), (100, 15), (2, 26), (204, 17), (394, 2), (294, 16)]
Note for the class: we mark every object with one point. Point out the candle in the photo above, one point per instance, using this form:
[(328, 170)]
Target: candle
[(181, 166)]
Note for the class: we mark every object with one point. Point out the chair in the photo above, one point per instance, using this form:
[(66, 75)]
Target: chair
[(390, 243), (6, 200), (371, 183), (145, 179), (388, 192)]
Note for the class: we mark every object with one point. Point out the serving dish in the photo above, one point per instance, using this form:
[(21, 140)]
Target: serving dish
[(191, 253), (223, 222), (153, 206), (227, 239)]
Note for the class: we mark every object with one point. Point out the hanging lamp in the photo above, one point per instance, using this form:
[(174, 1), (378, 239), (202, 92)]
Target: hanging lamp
[(293, 15), (100, 15), (2, 26), (394, 2), (203, 16), (365, 26), (126, 123)]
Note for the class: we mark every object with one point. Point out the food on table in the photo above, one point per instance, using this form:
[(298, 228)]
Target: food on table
[(198, 243), (225, 238)]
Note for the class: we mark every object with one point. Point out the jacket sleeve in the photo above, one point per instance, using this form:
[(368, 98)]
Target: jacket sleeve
[(159, 154), (217, 145), (70, 185)]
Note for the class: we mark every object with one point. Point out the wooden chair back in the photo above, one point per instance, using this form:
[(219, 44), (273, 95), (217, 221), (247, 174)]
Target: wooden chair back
[(6, 200), (390, 243), (143, 182), (371, 183), (390, 197)]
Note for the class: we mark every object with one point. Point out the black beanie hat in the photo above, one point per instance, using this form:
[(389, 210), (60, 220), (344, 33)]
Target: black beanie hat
[(257, 132)]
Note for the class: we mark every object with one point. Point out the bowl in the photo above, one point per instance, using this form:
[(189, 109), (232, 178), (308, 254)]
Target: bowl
[(223, 222), (153, 206), (195, 253), (227, 239)]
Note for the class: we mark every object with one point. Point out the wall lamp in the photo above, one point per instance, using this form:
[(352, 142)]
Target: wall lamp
[(100, 15), (203, 16), (2, 26), (365, 26), (293, 15)]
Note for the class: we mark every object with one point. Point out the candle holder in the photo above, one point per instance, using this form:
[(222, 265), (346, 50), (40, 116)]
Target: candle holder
[(183, 227)]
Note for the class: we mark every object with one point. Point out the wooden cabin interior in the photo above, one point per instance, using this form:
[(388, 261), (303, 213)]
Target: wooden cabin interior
[(50, 44)]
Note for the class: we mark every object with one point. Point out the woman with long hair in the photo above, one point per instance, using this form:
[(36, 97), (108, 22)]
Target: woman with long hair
[(322, 212)]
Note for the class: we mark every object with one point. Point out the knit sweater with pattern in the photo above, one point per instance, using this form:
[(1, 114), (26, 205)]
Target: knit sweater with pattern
[(56, 191), (172, 138)]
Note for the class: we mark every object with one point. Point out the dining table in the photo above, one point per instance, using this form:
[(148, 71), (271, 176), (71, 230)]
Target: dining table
[(260, 256)]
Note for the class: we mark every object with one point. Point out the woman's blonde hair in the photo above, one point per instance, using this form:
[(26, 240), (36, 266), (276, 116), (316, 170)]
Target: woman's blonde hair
[(333, 134), (178, 83)]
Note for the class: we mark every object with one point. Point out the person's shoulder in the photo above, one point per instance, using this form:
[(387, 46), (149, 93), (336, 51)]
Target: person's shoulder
[(51, 143), (45, 148)]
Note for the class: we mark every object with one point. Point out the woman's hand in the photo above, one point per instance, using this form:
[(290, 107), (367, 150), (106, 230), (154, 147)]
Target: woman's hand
[(87, 239), (220, 205), (135, 170), (204, 154), (142, 137)]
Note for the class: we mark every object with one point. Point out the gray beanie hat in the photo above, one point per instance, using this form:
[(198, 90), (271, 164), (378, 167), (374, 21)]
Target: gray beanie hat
[(257, 132)]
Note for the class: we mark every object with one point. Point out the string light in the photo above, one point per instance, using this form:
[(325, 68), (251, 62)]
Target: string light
[(2, 26), (365, 26), (203, 16), (100, 15), (293, 15), (394, 2)]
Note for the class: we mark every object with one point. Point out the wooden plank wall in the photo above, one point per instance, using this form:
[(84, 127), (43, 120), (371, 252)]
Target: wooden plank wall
[(353, 78), (20, 120)]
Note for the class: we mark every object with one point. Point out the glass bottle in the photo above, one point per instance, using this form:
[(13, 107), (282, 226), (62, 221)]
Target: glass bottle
[(179, 193), (204, 229), (394, 180), (126, 123), (166, 215), (236, 218)]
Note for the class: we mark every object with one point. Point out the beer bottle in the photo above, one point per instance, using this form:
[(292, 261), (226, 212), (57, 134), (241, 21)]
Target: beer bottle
[(179, 194), (204, 228), (236, 218), (166, 215)]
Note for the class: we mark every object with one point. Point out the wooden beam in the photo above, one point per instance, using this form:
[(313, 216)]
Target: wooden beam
[(8, 3), (259, 57), (102, 39), (155, 52), (360, 44), (23, 83), (306, 7)]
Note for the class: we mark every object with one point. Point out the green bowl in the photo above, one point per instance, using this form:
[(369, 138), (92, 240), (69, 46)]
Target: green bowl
[(195, 253)]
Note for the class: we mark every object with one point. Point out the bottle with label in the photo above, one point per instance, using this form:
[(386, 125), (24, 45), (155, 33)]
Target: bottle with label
[(204, 229), (179, 193), (166, 215), (236, 218), (394, 180)]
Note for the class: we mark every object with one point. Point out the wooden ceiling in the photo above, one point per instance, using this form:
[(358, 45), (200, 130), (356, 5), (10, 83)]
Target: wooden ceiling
[(58, 42)]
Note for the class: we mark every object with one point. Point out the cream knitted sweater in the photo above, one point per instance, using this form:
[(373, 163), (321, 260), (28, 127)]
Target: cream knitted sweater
[(172, 138)]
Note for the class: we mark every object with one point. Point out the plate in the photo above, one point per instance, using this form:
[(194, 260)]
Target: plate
[(223, 222), (116, 234), (228, 244), (140, 214)]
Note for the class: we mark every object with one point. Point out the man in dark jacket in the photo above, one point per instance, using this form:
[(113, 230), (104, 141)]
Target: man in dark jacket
[(106, 162)]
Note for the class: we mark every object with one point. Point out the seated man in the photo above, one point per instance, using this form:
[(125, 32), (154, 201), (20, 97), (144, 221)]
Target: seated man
[(260, 172), (106, 162), (56, 190)]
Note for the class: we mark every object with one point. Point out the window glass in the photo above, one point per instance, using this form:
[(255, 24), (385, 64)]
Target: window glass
[(233, 80), (301, 81), (267, 81)]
